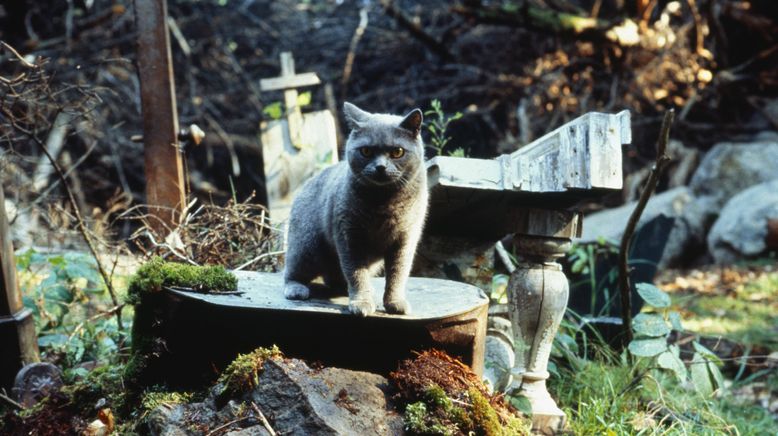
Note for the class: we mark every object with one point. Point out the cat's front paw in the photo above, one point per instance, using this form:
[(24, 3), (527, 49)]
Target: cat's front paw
[(296, 291), (361, 307), (400, 307)]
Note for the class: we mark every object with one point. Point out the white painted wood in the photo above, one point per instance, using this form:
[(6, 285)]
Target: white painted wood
[(286, 166), (296, 81), (581, 155)]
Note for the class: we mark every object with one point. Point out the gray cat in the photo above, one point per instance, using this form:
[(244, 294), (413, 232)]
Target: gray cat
[(365, 213)]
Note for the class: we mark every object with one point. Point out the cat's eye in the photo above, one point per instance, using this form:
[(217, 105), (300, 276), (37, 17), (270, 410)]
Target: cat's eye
[(366, 151), (396, 152)]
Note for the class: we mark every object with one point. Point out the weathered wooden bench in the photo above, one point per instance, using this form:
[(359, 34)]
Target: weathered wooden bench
[(532, 194)]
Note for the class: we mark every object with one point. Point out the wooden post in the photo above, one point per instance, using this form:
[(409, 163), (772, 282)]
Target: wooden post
[(165, 188), (18, 342)]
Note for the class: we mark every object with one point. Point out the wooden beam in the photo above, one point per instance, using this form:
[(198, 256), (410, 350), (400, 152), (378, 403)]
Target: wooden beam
[(165, 188), (18, 342), (295, 81)]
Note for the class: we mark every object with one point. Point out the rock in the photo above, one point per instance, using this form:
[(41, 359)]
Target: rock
[(498, 361), (610, 223), (298, 400), (729, 168), (740, 232), (295, 399), (36, 381)]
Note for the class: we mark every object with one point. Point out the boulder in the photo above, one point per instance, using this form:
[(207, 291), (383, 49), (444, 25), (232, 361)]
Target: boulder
[(610, 223), (726, 170), (674, 203), (729, 168), (741, 230), (298, 400), (295, 399)]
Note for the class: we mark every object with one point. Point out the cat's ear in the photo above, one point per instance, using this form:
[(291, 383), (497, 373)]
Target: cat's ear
[(355, 117), (412, 122)]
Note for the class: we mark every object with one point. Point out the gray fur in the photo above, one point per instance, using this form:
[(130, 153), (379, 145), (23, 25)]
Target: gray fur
[(351, 219)]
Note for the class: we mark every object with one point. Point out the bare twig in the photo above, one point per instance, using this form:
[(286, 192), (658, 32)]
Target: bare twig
[(352, 50), (662, 160), (79, 219), (260, 257), (416, 31), (227, 425), (262, 418), (10, 400)]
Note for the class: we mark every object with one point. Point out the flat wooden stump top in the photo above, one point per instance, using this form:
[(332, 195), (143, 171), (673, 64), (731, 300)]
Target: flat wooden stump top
[(430, 298)]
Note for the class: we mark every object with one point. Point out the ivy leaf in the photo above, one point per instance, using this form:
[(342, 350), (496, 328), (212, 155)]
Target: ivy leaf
[(647, 347), (701, 376), (669, 360), (273, 110), (304, 99), (522, 404), (675, 321), (650, 324), (706, 353), (653, 296), (52, 340)]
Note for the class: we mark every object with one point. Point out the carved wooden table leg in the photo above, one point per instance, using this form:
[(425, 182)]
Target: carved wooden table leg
[(537, 296)]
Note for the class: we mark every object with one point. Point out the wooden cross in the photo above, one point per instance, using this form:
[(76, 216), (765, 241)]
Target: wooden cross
[(287, 82)]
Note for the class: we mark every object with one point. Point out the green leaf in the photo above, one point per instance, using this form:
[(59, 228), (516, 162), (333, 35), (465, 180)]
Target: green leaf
[(647, 347), (522, 404), (52, 340), (675, 321), (670, 361), (706, 353), (304, 99), (273, 110), (58, 293), (700, 375), (653, 296), (578, 265), (650, 324)]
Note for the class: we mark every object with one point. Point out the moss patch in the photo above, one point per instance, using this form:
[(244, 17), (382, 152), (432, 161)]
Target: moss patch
[(442, 396), (148, 347), (156, 274), (242, 375)]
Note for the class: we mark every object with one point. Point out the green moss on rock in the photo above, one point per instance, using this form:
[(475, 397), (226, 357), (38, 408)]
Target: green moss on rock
[(242, 375), (157, 273)]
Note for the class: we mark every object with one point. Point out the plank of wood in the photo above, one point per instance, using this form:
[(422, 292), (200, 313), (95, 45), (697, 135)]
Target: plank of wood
[(165, 188), (18, 340), (298, 80), (583, 154)]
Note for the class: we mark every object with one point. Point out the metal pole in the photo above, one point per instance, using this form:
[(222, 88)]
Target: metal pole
[(165, 188), (18, 343)]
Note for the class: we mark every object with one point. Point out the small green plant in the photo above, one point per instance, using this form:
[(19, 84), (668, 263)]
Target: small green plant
[(243, 373), (437, 124), (651, 333), (275, 110)]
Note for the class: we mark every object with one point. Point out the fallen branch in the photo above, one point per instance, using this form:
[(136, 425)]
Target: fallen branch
[(10, 400), (416, 31), (662, 160), (262, 418), (540, 18)]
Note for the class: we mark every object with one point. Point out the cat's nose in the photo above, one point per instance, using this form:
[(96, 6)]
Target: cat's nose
[(380, 168)]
